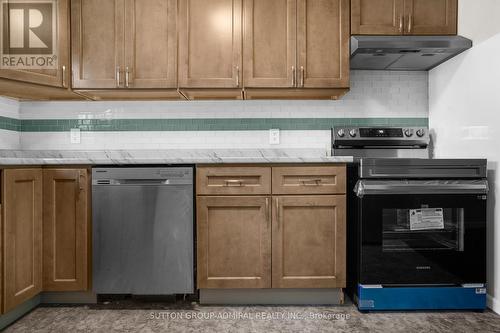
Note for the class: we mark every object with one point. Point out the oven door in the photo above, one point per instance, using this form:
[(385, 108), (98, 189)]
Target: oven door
[(422, 232)]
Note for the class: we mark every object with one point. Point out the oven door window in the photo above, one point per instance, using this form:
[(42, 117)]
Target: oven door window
[(426, 228), (431, 239)]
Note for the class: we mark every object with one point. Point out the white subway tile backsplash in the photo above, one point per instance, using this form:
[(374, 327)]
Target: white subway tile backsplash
[(9, 108), (9, 139), (176, 140), (372, 93)]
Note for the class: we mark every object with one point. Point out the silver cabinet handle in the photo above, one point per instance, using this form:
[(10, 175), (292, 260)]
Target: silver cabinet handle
[(410, 22), (127, 77), (302, 73), (118, 80), (312, 182), (277, 213), (64, 76), (234, 182), (267, 210), (293, 76), (81, 182), (237, 76), (401, 23)]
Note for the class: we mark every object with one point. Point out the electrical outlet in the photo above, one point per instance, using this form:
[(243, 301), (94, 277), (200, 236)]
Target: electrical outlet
[(274, 136), (75, 136)]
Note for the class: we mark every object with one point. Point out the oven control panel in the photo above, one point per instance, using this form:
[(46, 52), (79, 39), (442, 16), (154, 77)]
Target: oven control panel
[(380, 136)]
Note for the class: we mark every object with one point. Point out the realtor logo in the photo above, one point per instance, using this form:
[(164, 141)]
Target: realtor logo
[(28, 34)]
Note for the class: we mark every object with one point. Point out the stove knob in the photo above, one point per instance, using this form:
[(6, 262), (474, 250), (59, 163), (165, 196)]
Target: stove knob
[(421, 132), (341, 133), (408, 133), (353, 133)]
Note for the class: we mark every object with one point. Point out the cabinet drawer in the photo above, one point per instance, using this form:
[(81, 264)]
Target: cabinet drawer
[(233, 180), (309, 180)]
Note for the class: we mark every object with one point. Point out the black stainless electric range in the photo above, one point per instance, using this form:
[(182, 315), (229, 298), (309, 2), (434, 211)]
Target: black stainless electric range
[(416, 226)]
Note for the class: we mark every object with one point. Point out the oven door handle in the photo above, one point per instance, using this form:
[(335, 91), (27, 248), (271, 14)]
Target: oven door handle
[(377, 187)]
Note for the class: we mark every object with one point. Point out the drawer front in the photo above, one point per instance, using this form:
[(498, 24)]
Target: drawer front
[(233, 180), (309, 180)]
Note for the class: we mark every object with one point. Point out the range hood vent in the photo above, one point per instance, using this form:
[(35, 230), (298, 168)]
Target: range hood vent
[(405, 53)]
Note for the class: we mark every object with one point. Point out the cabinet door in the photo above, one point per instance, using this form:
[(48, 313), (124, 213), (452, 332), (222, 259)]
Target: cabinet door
[(210, 43), (65, 233), (151, 44), (269, 43), (97, 43), (309, 240), (234, 242), (22, 237), (51, 77), (323, 43), (377, 17), (431, 17)]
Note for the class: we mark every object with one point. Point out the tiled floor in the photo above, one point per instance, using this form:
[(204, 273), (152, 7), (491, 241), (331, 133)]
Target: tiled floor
[(248, 319)]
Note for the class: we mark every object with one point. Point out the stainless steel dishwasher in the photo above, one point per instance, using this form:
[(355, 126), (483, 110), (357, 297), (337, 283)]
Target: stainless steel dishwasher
[(143, 230)]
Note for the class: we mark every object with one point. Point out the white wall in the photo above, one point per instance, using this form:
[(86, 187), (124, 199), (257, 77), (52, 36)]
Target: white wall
[(464, 111), (9, 139)]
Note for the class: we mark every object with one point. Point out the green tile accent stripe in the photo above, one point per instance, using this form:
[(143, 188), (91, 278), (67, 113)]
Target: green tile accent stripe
[(217, 124), (10, 124)]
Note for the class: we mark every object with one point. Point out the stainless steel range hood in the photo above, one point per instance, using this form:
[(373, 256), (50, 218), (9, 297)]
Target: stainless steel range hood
[(408, 53)]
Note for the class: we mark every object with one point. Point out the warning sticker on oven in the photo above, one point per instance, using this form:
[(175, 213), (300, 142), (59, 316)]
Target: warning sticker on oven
[(426, 219)]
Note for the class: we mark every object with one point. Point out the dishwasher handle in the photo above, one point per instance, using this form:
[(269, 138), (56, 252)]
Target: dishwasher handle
[(139, 182)]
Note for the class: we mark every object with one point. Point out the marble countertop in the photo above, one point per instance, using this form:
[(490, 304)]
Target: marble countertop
[(174, 156)]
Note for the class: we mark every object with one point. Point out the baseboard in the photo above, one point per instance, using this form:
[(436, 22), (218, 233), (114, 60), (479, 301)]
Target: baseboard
[(493, 303), (271, 296), (13, 315), (68, 298)]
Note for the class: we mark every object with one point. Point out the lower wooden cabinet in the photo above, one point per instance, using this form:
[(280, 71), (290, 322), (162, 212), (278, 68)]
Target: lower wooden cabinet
[(308, 241), (234, 242), (45, 236), (274, 240), (22, 236), (65, 230)]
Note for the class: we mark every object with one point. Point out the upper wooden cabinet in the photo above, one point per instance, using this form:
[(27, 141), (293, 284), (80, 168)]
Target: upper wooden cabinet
[(296, 43), (151, 43), (22, 236), (269, 44), (59, 77), (409, 17), (97, 43), (65, 229), (124, 44), (210, 43), (377, 17), (323, 43), (431, 17)]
